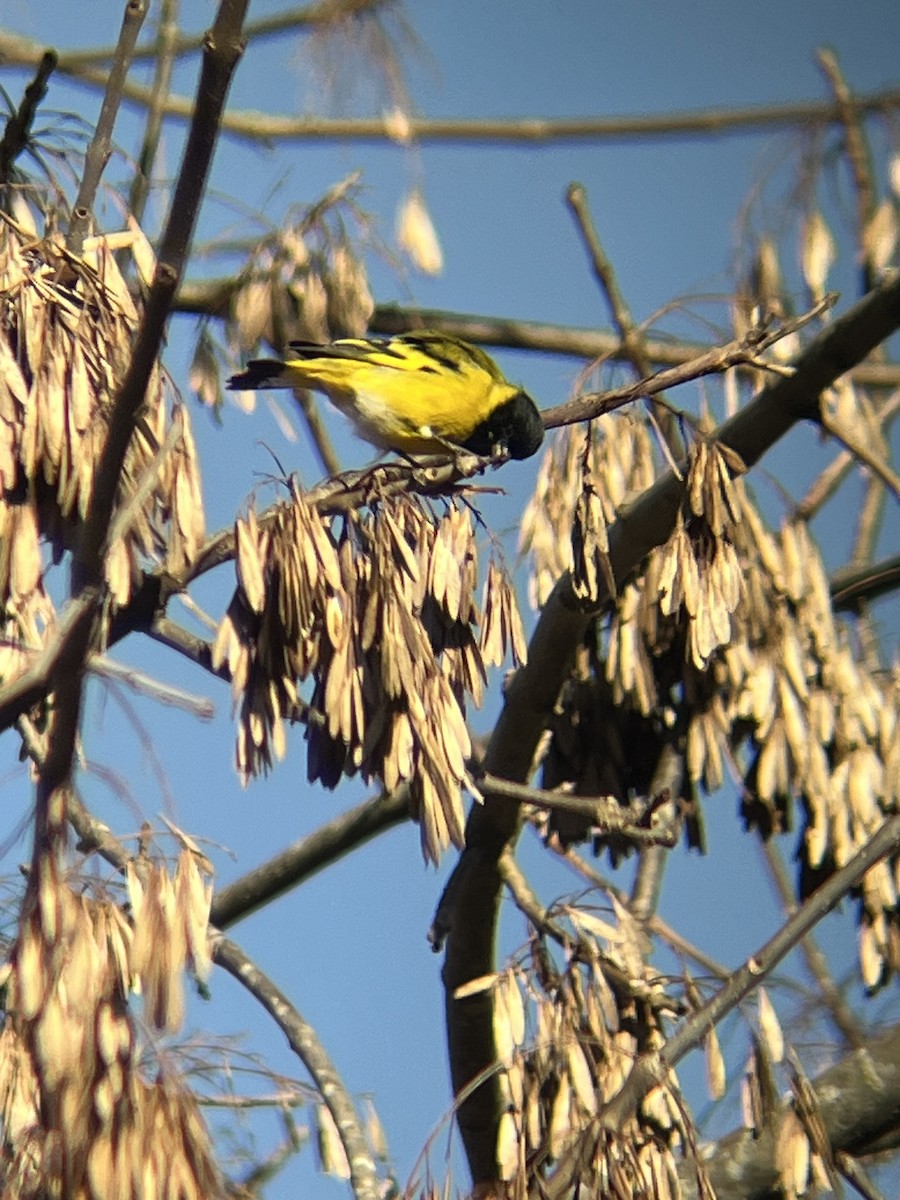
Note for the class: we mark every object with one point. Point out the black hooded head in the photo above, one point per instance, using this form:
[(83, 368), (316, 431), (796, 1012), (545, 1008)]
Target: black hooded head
[(515, 426)]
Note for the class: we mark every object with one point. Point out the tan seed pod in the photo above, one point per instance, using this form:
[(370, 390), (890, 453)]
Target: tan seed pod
[(350, 301), (818, 253), (252, 320), (509, 1146), (697, 461), (879, 238), (792, 1154), (249, 562), (580, 1076), (515, 1007), (770, 1027), (416, 234), (397, 126), (504, 1039), (560, 1119)]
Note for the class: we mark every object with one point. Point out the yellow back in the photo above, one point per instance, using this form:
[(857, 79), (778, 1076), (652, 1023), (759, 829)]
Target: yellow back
[(416, 394)]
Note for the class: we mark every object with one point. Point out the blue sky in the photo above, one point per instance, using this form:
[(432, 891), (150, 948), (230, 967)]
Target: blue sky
[(350, 945)]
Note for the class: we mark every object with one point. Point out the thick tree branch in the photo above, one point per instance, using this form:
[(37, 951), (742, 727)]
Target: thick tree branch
[(529, 699), (859, 1101)]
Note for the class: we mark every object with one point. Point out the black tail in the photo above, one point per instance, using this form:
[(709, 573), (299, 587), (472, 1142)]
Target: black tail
[(259, 373)]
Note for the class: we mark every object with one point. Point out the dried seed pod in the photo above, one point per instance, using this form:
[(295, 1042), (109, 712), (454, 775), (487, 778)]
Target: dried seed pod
[(417, 236)]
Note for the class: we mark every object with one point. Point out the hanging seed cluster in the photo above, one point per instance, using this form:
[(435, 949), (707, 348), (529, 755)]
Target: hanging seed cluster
[(578, 491), (731, 626), (381, 617), (303, 283), (587, 1023), (66, 328), (78, 1117)]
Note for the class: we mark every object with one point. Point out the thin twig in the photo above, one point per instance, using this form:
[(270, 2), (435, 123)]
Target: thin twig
[(841, 1015), (305, 1043), (260, 1173), (655, 924), (18, 127), (197, 706), (647, 887), (632, 339), (854, 1172), (164, 59), (604, 812), (223, 50), (133, 506), (885, 842), (837, 470), (861, 451), (858, 156), (712, 362), (100, 148), (854, 583)]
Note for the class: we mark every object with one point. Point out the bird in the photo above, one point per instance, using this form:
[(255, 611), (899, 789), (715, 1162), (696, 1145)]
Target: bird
[(422, 392)]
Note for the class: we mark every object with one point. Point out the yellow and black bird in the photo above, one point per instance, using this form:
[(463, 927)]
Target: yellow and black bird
[(419, 393)]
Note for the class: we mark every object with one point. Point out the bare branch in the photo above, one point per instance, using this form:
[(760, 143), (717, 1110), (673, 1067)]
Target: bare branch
[(604, 812), (305, 1043), (310, 16), (843, 1019), (837, 470), (164, 60), (858, 1098), (99, 150), (223, 49), (858, 155), (861, 451), (632, 339), (212, 298), (257, 126), (653, 1067), (307, 857), (868, 581), (18, 127)]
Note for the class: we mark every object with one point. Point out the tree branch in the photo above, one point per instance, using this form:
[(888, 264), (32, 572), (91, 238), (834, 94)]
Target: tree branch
[(307, 857), (859, 1101), (223, 49), (18, 127), (854, 584), (100, 147), (305, 1043), (212, 298), (258, 126), (529, 699)]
